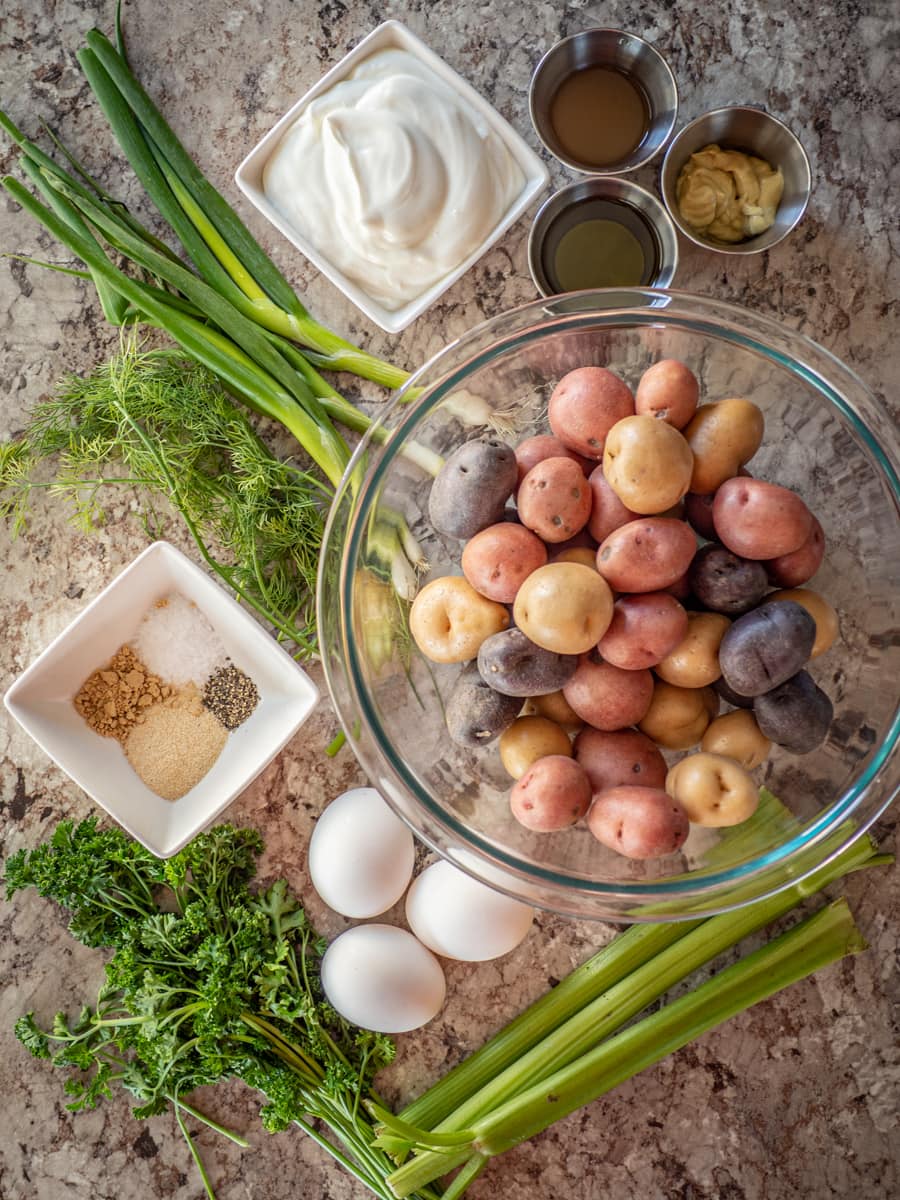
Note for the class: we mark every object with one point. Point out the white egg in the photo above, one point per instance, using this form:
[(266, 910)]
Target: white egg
[(361, 855), (458, 917), (379, 977)]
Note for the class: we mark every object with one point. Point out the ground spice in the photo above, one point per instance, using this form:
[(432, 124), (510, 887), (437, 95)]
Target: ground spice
[(231, 696), (177, 641), (175, 744), (113, 699)]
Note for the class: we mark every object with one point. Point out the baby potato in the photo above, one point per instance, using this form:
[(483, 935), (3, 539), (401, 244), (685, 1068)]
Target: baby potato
[(694, 662), (475, 713), (449, 620), (760, 520), (677, 717), (607, 510), (725, 582), (511, 663), (543, 445), (765, 647), (585, 405), (826, 619), (790, 570), (577, 554), (698, 513), (647, 555), (471, 489), (554, 499), (797, 714), (497, 560), (737, 735), (638, 822), (527, 740), (713, 790), (647, 463), (668, 391), (722, 437), (555, 707), (619, 757), (552, 794), (564, 607), (645, 628), (606, 696)]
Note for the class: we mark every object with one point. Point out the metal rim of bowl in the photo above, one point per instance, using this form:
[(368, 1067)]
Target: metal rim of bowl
[(572, 163), (671, 207), (651, 209)]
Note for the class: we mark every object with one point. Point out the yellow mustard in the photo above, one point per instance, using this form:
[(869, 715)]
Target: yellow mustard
[(728, 195)]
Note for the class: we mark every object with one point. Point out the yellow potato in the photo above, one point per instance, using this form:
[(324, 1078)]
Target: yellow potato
[(527, 740), (736, 735), (713, 790), (647, 463), (564, 607), (677, 717), (556, 708), (694, 662), (826, 619), (578, 554), (449, 620), (722, 437)]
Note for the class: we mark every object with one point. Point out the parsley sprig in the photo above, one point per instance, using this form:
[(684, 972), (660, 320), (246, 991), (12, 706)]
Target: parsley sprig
[(208, 980)]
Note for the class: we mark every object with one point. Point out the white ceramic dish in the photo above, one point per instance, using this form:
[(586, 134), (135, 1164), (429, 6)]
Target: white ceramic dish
[(41, 700), (249, 175)]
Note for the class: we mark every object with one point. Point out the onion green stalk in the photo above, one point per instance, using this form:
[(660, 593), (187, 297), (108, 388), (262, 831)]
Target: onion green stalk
[(821, 939), (600, 997)]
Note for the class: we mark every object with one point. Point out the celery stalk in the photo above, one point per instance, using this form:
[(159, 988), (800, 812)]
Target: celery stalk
[(821, 939)]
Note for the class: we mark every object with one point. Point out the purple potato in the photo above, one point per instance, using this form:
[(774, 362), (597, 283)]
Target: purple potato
[(796, 715), (511, 663), (475, 713), (471, 490), (726, 583), (765, 647)]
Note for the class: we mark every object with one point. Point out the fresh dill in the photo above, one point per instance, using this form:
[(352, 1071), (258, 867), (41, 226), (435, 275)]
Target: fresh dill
[(151, 420)]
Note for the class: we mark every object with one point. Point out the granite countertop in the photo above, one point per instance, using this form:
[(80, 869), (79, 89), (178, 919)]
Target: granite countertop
[(795, 1100)]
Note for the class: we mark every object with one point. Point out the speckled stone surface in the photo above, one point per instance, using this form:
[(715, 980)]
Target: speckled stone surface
[(796, 1100)]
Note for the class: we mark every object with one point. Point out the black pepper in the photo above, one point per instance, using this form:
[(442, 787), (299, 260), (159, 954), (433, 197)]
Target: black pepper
[(231, 696)]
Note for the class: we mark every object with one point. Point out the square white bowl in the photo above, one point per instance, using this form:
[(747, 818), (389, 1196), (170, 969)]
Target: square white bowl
[(249, 175), (41, 700)]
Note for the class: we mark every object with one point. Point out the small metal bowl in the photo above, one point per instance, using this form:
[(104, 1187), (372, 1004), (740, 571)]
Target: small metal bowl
[(624, 52), (755, 132), (555, 216)]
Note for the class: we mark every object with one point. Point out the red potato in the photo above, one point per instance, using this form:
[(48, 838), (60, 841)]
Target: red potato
[(698, 511), (499, 559), (607, 511), (544, 445), (790, 570), (619, 757), (554, 499), (585, 405), (554, 793), (638, 822), (606, 696), (644, 629), (668, 391), (681, 588), (648, 555), (760, 520)]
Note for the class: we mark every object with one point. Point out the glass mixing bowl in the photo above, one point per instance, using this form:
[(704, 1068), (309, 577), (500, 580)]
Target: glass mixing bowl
[(826, 437)]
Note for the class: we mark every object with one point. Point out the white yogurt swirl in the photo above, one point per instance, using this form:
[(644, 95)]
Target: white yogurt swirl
[(392, 177)]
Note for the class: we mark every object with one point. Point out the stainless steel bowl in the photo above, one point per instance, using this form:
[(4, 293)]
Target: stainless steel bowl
[(623, 52), (552, 215), (756, 132)]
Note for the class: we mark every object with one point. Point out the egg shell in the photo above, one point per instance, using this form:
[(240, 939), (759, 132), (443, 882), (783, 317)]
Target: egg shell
[(458, 917), (361, 855), (381, 978)]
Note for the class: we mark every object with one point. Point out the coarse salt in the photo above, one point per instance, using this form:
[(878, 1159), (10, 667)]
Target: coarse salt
[(176, 642)]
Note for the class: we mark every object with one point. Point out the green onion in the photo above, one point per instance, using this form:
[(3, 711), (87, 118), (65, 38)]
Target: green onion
[(821, 939)]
